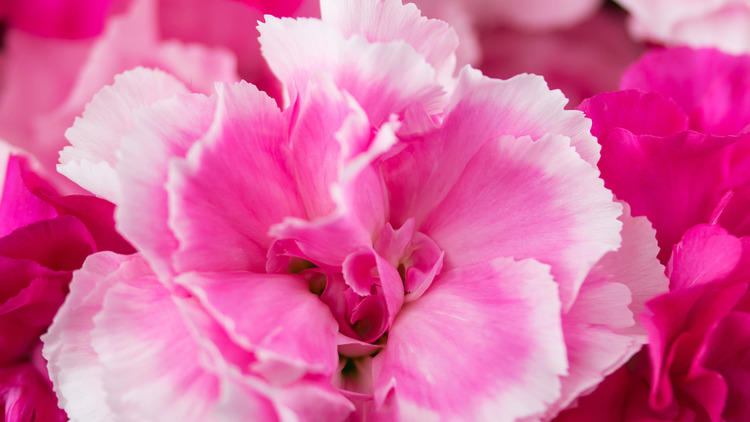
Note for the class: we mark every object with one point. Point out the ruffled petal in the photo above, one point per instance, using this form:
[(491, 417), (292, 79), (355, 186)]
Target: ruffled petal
[(483, 343), (390, 20), (275, 316), (384, 78), (551, 206), (96, 137), (234, 184)]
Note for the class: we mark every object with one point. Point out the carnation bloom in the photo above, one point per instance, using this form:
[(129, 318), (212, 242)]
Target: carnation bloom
[(387, 242), (724, 24), (676, 151), (43, 238)]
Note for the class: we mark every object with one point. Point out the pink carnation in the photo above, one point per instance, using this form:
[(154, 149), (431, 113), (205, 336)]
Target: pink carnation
[(43, 238), (394, 243), (676, 151), (723, 24)]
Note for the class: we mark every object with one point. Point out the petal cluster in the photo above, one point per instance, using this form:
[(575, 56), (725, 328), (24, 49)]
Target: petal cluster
[(397, 241)]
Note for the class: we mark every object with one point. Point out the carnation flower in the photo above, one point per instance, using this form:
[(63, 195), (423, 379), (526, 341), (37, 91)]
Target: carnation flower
[(724, 24), (676, 151), (391, 243), (43, 238)]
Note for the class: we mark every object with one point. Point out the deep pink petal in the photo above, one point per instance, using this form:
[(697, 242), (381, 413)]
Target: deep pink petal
[(484, 343), (641, 113), (26, 396), (19, 203), (710, 86), (706, 254)]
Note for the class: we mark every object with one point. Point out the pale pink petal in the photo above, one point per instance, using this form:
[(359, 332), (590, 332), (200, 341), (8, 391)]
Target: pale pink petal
[(71, 360), (483, 343), (233, 185), (302, 331), (390, 20), (553, 205), (96, 137), (601, 333), (384, 78), (149, 358), (162, 132)]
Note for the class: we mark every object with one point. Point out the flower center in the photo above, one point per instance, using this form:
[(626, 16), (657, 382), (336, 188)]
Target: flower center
[(369, 287)]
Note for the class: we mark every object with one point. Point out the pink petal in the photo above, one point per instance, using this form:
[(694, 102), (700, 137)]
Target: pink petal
[(72, 362), (482, 110), (96, 137), (390, 20), (233, 185), (162, 132), (553, 207), (600, 331), (373, 73), (275, 315), (484, 343)]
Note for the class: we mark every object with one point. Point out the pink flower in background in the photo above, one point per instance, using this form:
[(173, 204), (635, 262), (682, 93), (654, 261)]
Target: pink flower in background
[(580, 51), (724, 24), (681, 121), (378, 248), (582, 60), (676, 151), (43, 238)]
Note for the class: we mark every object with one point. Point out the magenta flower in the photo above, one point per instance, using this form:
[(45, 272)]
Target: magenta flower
[(394, 243), (43, 238), (676, 151)]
